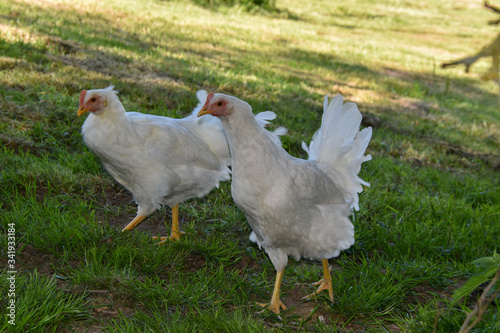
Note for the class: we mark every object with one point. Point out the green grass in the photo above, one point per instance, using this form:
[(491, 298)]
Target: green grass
[(433, 206), (41, 305)]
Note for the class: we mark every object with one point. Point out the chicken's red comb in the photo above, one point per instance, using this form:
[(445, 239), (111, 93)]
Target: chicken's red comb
[(210, 97), (82, 96)]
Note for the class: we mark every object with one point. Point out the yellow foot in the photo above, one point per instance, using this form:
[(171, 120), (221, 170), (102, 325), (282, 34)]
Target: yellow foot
[(274, 306), (162, 239), (173, 237), (176, 236), (324, 284)]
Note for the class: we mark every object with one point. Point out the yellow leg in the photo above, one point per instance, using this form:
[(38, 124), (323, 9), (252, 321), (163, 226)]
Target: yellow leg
[(138, 219), (325, 283), (175, 233), (276, 303)]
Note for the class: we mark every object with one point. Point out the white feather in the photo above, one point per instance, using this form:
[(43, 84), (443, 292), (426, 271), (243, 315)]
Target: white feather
[(339, 147)]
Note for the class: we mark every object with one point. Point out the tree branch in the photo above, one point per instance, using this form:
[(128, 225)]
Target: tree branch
[(493, 8)]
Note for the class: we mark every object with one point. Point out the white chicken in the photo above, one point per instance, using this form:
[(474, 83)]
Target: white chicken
[(296, 207), (160, 160)]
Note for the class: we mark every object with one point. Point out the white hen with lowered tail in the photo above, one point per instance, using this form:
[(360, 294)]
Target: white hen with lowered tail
[(296, 207), (160, 160)]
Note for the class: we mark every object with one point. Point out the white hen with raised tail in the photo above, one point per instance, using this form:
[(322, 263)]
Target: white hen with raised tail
[(296, 207)]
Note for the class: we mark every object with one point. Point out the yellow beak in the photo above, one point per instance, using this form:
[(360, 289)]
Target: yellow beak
[(203, 111), (81, 111)]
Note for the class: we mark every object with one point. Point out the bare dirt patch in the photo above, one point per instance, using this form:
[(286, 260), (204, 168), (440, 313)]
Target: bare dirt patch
[(119, 208), (105, 306), (194, 262), (31, 259)]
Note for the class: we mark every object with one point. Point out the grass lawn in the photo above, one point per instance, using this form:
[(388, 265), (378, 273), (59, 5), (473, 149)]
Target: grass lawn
[(433, 206)]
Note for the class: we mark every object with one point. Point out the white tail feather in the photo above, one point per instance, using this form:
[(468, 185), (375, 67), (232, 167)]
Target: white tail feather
[(339, 147)]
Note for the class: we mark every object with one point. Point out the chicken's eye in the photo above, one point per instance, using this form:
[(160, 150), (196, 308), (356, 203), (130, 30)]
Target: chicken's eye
[(219, 103), (93, 99)]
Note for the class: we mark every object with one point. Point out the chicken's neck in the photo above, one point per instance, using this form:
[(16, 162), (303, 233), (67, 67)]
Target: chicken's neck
[(248, 142), (111, 126), (115, 114)]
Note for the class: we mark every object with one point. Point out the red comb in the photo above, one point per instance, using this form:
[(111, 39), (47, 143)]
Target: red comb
[(210, 97), (82, 96)]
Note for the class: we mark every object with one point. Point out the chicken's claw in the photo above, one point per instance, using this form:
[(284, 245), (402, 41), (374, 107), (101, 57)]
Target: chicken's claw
[(175, 236), (176, 233), (324, 284), (275, 306)]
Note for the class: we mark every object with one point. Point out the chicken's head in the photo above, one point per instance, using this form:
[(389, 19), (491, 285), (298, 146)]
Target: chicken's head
[(220, 105), (95, 101), (216, 105)]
